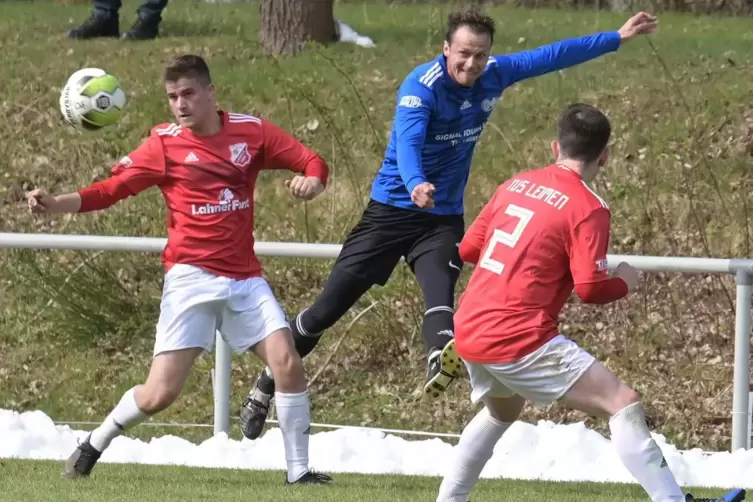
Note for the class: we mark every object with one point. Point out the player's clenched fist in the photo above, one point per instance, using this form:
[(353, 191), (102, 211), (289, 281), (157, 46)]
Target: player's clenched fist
[(627, 273), (305, 187), (423, 195), (40, 202)]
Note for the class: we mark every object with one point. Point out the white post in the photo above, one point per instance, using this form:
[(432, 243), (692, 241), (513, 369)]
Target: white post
[(222, 361), (741, 378), (750, 419)]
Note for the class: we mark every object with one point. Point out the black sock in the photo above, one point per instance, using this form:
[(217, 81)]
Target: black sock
[(304, 341), (437, 329), (266, 384)]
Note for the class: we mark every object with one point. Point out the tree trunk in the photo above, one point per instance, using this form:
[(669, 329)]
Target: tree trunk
[(287, 25)]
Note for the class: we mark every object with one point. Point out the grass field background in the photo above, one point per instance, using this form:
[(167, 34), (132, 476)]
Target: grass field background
[(40, 481), (76, 329)]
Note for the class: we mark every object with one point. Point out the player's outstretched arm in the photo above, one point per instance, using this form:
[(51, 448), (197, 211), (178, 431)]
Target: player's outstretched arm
[(570, 52), (40, 202), (588, 262), (283, 151), (134, 173)]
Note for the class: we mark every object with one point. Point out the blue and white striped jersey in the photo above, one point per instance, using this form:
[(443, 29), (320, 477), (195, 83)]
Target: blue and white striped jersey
[(437, 122)]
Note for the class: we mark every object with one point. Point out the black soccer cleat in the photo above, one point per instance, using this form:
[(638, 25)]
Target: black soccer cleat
[(736, 495), (255, 408), (311, 478), (143, 29), (82, 460), (443, 369), (98, 25)]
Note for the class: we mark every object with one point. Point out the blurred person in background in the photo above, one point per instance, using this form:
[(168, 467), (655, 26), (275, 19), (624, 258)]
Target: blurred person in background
[(105, 21)]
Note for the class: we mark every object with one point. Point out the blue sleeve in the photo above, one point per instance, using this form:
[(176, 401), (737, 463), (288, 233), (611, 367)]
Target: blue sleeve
[(414, 106), (548, 58)]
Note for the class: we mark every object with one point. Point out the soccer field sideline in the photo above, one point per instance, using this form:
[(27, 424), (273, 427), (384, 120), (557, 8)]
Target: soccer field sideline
[(545, 451)]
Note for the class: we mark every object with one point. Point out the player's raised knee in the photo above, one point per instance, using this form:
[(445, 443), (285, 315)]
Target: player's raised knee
[(152, 399), (286, 361), (287, 370)]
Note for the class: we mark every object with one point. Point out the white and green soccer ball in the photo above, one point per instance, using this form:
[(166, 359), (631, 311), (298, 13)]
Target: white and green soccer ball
[(92, 99)]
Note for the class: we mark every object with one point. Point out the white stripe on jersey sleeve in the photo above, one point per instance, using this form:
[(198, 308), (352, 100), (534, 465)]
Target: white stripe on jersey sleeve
[(171, 130), (240, 118), (603, 202), (431, 75)]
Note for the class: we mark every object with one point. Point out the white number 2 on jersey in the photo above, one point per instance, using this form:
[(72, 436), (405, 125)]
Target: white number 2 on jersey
[(508, 239)]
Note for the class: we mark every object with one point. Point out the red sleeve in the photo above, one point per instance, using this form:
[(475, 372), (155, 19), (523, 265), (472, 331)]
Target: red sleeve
[(134, 173), (283, 151), (588, 260), (475, 238)]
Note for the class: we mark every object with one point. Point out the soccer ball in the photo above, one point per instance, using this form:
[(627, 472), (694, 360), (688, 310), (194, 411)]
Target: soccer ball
[(92, 99)]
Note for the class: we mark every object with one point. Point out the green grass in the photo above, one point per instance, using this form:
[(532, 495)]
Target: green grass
[(40, 481), (76, 328)]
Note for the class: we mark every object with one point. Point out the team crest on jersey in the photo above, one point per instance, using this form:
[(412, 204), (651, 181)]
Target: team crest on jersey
[(239, 154), (488, 104)]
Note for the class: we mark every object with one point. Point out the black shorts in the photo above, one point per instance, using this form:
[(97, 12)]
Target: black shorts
[(385, 234)]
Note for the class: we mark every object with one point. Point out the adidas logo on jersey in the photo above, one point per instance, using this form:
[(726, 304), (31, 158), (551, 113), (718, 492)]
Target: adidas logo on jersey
[(466, 104), (191, 157)]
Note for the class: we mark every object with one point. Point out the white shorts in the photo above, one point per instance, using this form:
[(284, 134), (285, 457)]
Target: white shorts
[(196, 304), (542, 377)]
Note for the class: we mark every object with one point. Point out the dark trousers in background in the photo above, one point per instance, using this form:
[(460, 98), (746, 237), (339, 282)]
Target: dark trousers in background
[(147, 10)]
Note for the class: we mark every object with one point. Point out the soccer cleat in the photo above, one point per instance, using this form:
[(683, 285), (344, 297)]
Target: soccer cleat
[(98, 25), (255, 408), (311, 478), (736, 495), (443, 369), (82, 460)]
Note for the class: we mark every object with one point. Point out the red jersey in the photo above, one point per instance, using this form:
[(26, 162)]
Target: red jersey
[(542, 232), (208, 185)]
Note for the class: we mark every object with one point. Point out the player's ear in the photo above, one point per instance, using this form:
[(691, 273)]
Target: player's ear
[(446, 48), (556, 149)]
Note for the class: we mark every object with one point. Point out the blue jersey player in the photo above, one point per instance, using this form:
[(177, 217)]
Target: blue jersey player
[(416, 205)]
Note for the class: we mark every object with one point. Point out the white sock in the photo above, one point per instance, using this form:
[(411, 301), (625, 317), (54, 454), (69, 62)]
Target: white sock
[(641, 455), (294, 417), (125, 415), (473, 451)]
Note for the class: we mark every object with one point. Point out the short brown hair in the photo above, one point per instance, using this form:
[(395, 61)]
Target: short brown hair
[(583, 132), (187, 66), (474, 19)]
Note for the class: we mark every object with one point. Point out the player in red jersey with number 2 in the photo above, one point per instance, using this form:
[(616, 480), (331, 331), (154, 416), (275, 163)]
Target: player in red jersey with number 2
[(206, 167), (543, 233)]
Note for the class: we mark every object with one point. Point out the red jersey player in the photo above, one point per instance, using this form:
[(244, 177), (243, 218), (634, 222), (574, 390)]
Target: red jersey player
[(206, 165), (543, 233)]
